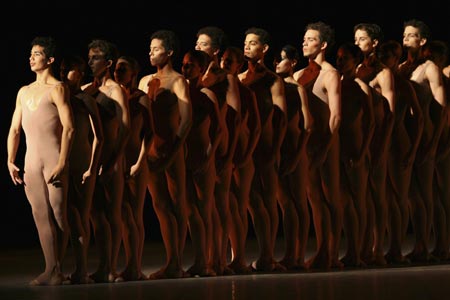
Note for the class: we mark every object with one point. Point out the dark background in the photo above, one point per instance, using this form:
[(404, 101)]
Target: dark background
[(129, 25)]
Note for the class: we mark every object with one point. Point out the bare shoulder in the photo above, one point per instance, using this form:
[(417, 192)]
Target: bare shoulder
[(211, 95), (85, 97), (330, 72), (291, 80), (446, 71), (23, 89), (298, 74), (86, 86), (144, 81), (59, 93), (402, 64), (243, 75), (385, 73), (364, 86), (59, 87), (431, 66), (146, 78), (278, 78), (326, 66), (231, 78), (179, 80), (117, 92)]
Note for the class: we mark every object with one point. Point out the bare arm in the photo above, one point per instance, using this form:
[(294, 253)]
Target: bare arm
[(333, 86), (118, 94), (181, 89), (233, 118), (123, 112), (143, 83), (369, 120), (60, 97), (146, 140), (434, 76), (386, 82), (134, 169), (97, 130), (254, 126), (280, 113), (233, 96), (417, 114), (305, 132), (307, 122), (307, 116), (216, 124), (14, 140)]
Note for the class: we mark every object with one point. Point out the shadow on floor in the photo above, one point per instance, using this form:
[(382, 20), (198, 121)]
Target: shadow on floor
[(20, 266)]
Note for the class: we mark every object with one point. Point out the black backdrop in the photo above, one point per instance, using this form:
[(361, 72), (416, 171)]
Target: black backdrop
[(130, 24)]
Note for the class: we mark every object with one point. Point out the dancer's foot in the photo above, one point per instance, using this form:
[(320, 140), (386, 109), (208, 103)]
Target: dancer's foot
[(201, 271), (352, 262), (422, 257), (240, 268), (76, 278), (168, 273), (53, 278), (130, 275), (319, 261), (103, 277), (289, 263), (397, 259)]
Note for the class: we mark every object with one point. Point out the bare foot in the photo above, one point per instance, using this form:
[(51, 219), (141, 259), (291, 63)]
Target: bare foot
[(368, 257), (337, 264), (396, 259), (319, 261), (352, 261), (301, 265), (240, 268), (262, 266), (100, 277), (166, 273), (289, 263), (422, 257), (76, 278), (48, 279), (441, 254), (227, 271), (377, 260), (202, 271), (267, 266), (128, 275), (222, 270)]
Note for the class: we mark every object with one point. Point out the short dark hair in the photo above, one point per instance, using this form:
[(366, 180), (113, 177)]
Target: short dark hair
[(219, 39), (326, 33), (132, 62), (390, 48), (237, 53), (424, 30), (46, 42), (264, 35), (109, 49), (201, 57), (291, 52), (354, 51), (373, 30), (71, 61), (170, 41), (437, 51)]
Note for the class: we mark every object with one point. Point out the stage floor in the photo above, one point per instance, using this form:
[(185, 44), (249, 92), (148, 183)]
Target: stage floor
[(20, 266)]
